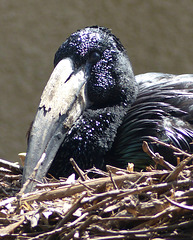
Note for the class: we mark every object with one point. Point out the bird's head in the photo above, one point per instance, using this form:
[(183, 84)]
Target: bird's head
[(103, 59), (92, 70)]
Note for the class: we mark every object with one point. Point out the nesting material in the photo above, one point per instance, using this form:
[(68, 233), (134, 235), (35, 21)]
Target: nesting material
[(120, 204)]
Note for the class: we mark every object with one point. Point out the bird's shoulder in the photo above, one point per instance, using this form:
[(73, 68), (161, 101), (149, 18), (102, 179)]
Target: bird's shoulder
[(163, 109), (173, 93)]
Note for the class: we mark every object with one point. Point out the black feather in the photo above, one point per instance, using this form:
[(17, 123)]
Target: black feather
[(121, 112), (163, 109)]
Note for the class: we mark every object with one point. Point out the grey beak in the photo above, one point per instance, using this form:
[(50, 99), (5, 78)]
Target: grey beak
[(62, 102)]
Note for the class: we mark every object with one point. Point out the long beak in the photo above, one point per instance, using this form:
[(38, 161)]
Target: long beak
[(62, 102)]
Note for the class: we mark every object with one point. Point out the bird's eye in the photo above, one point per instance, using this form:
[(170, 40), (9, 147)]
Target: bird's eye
[(94, 57)]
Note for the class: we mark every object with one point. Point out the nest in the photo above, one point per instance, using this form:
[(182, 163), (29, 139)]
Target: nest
[(120, 204)]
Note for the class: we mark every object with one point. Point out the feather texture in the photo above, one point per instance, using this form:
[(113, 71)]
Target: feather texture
[(163, 109)]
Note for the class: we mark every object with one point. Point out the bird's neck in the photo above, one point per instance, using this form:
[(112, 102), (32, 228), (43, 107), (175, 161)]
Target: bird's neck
[(101, 129)]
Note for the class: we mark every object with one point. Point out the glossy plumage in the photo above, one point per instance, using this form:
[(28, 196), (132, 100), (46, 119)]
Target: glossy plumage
[(163, 109), (119, 111)]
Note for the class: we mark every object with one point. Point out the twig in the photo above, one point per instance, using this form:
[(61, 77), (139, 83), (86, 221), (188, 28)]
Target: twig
[(11, 178), (52, 185), (10, 228), (32, 177), (77, 169), (84, 225), (50, 233), (65, 191), (87, 187), (112, 180), (116, 170), (145, 231), (162, 187), (97, 205), (108, 237), (13, 167), (140, 218), (156, 157), (178, 150), (72, 224), (124, 205), (174, 174), (68, 215), (179, 204)]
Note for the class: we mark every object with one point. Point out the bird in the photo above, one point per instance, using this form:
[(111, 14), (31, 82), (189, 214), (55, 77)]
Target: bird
[(96, 111)]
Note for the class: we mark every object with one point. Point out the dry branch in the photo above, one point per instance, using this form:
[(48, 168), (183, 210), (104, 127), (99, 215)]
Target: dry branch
[(121, 205)]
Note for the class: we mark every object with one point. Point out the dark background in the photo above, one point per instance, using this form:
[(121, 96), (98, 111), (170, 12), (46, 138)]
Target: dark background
[(157, 34)]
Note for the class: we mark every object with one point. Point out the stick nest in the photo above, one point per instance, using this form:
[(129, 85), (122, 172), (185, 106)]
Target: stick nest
[(120, 204)]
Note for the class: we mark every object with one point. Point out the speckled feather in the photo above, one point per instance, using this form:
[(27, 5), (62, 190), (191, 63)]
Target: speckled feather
[(120, 112), (163, 109)]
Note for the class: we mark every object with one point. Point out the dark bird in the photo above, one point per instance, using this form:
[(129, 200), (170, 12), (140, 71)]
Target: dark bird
[(96, 111)]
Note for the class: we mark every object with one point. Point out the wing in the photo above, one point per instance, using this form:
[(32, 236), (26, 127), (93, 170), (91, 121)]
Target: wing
[(163, 109)]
